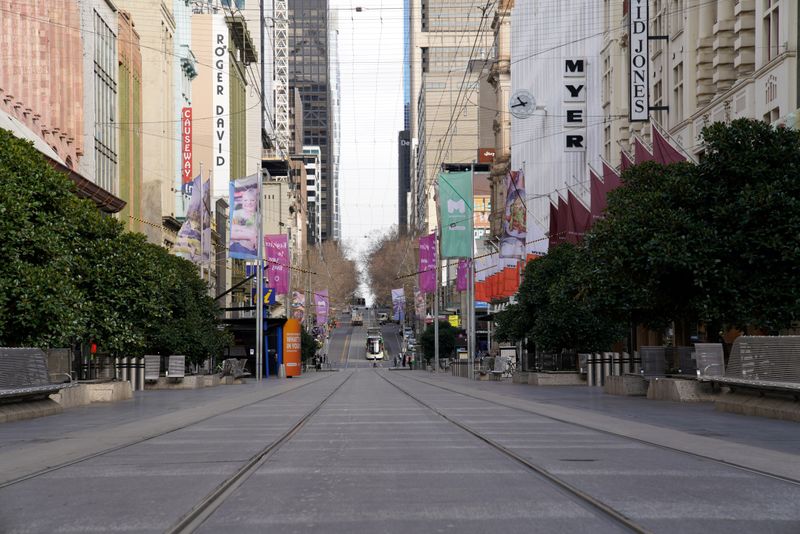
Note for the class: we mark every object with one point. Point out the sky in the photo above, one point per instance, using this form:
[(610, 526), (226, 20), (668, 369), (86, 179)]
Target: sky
[(371, 115)]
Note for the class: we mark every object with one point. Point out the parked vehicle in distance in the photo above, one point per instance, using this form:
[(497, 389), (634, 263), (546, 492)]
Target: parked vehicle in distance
[(383, 318)]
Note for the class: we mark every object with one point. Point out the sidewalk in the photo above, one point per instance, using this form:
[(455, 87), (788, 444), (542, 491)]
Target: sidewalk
[(29, 445), (699, 419)]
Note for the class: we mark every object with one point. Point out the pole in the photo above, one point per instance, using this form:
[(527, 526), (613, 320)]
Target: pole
[(436, 308), (260, 264), (471, 298)]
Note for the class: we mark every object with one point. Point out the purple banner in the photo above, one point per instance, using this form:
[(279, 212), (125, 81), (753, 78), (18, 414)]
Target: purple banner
[(321, 303), (427, 263), (462, 276), (276, 252), (188, 244)]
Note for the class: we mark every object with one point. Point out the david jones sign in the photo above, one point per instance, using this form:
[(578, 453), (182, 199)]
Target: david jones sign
[(640, 56)]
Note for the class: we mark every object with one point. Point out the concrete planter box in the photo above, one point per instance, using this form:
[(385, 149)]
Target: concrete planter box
[(774, 408), (28, 410), (679, 390), (520, 378), (627, 385), (84, 394), (187, 382), (555, 379)]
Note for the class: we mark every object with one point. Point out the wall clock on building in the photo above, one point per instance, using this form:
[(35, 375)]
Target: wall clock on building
[(522, 104)]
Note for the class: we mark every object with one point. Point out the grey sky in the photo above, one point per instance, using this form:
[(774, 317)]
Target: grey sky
[(371, 114)]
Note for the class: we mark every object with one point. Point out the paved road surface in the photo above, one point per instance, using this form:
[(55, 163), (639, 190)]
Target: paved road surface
[(372, 450)]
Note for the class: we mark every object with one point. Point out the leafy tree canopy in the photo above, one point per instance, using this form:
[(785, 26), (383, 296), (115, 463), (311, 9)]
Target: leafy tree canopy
[(447, 340)]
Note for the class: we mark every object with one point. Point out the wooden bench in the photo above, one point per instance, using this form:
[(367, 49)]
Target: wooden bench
[(759, 363), (24, 376), (152, 367), (177, 367)]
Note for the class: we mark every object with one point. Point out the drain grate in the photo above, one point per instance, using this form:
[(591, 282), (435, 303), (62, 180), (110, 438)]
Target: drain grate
[(577, 460)]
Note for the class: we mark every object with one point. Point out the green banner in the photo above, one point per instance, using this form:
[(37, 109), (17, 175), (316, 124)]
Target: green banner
[(455, 214)]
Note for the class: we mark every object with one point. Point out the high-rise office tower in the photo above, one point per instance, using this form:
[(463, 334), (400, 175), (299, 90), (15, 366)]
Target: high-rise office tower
[(309, 75)]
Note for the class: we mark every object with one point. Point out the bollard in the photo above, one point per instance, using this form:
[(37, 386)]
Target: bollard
[(140, 372), (125, 364), (616, 363), (590, 369)]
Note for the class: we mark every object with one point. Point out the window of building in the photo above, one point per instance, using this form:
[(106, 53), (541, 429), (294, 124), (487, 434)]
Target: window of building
[(105, 105), (677, 93), (771, 30), (658, 100), (773, 115)]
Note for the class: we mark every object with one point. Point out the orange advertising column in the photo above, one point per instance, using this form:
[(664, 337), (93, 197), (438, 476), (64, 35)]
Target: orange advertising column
[(291, 347)]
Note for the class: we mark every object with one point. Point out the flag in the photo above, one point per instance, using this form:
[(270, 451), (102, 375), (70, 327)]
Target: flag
[(553, 237), (598, 196), (663, 152), (245, 218), (455, 206), (399, 304), (427, 263), (276, 252), (462, 275), (298, 305), (515, 217), (611, 179), (641, 152), (321, 304), (188, 245), (626, 160), (563, 220), (581, 218)]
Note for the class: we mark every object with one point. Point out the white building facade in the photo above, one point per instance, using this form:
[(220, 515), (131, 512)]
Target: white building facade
[(556, 59)]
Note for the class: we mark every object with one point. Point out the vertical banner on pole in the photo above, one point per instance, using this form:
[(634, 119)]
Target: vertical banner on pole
[(188, 244), (399, 304), (298, 305), (245, 215), (321, 304), (427, 263), (419, 303), (515, 217), (277, 256), (462, 275), (205, 237), (456, 214)]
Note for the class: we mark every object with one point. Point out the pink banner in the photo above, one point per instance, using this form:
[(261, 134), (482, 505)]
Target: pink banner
[(462, 276), (276, 248), (427, 263), (321, 303)]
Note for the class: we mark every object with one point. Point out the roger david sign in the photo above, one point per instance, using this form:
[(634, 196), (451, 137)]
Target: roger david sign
[(640, 60), (221, 103), (186, 145)]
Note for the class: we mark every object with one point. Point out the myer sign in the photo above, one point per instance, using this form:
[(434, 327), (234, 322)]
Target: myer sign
[(640, 60), (221, 103), (574, 98)]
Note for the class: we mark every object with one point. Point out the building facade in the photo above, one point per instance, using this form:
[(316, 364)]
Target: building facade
[(560, 140), (129, 121), (718, 61), (312, 163), (447, 37), (309, 77), (99, 26)]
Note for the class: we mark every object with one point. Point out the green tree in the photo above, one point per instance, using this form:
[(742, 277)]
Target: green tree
[(511, 324), (40, 301), (559, 304), (308, 346), (447, 340)]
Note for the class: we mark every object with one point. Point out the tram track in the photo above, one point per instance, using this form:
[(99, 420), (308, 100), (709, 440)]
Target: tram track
[(193, 519), (96, 454), (598, 505), (744, 468)]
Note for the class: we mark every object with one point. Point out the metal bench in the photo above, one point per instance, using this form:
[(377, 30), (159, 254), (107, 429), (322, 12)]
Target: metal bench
[(152, 367), (760, 363), (176, 367), (24, 376), (233, 367), (243, 363)]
